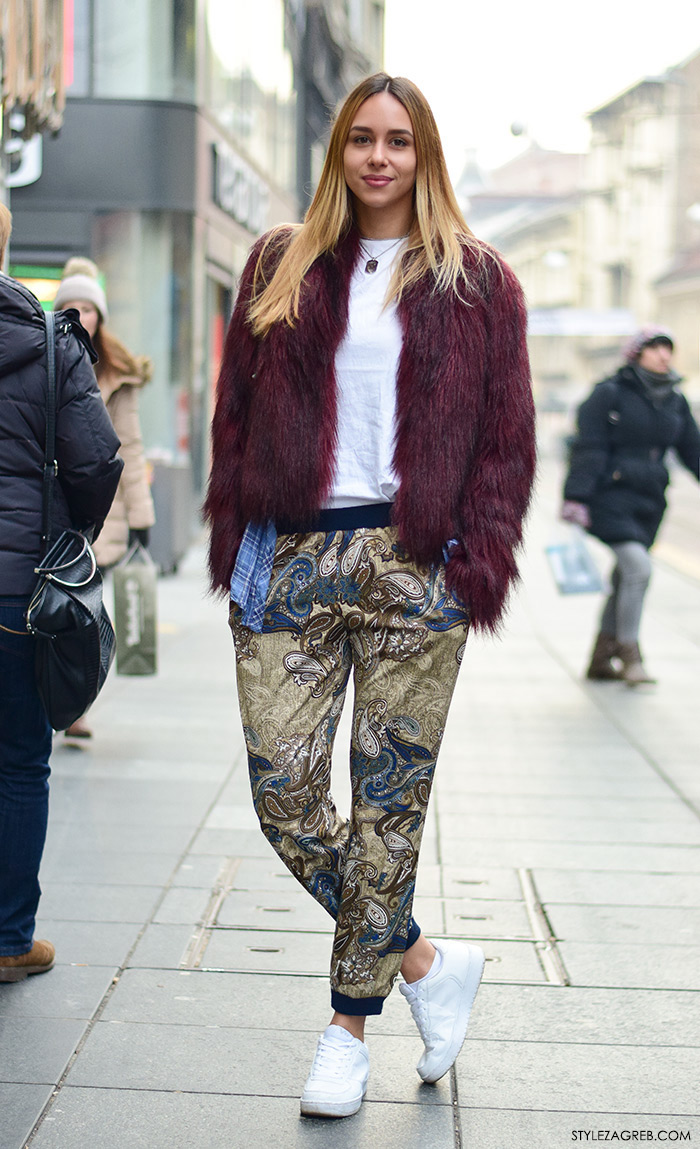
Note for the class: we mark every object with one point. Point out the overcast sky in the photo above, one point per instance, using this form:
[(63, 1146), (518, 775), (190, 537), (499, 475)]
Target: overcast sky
[(484, 64)]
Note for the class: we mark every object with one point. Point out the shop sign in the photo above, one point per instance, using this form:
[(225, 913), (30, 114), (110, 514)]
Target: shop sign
[(238, 190), (24, 157)]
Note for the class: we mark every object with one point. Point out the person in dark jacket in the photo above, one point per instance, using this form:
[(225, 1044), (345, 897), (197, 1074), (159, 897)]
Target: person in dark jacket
[(88, 474), (617, 481)]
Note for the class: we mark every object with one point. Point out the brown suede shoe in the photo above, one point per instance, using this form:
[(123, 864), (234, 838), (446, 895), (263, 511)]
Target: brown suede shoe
[(634, 671), (40, 959), (602, 668)]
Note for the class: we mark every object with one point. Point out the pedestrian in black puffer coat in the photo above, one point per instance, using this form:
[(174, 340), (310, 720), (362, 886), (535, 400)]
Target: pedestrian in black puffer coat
[(617, 482), (88, 474)]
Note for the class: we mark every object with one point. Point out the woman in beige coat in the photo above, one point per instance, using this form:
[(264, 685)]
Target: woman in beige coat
[(120, 376)]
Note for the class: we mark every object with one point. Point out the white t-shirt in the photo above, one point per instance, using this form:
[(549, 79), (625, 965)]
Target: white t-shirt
[(365, 366)]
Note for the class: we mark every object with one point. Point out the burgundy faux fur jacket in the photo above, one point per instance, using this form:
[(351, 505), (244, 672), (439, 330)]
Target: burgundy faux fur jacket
[(465, 445)]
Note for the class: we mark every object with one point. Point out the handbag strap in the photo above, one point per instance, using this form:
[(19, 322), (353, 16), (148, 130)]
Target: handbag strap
[(50, 464)]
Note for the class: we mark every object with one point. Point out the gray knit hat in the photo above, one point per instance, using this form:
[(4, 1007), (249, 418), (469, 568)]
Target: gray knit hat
[(79, 281), (643, 338)]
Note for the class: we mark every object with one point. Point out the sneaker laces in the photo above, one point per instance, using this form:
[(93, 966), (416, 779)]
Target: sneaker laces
[(419, 1010), (331, 1059)]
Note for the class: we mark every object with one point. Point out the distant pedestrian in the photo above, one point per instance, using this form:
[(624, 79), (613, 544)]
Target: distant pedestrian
[(617, 481), (120, 376), (373, 457), (88, 474)]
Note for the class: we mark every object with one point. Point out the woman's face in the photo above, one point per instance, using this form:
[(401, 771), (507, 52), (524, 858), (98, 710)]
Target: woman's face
[(656, 357), (89, 315), (380, 164)]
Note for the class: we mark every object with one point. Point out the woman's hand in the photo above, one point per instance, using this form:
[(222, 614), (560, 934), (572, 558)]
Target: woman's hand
[(577, 513)]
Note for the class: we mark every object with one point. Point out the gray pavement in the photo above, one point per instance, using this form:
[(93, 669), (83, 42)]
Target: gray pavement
[(190, 983)]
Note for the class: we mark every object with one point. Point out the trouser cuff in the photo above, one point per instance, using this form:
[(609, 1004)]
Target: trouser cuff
[(356, 1006), (413, 933)]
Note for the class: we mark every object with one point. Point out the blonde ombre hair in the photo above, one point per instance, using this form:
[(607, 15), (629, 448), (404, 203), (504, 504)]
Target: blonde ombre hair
[(5, 229), (438, 232)]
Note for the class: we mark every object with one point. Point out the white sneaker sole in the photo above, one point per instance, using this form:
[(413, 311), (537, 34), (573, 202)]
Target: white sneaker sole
[(432, 1072), (328, 1108)]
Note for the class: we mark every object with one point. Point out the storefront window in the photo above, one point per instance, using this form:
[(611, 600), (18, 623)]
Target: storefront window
[(144, 49), (76, 41), (249, 82)]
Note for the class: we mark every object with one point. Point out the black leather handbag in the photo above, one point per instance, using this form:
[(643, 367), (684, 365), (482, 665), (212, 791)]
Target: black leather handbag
[(74, 636)]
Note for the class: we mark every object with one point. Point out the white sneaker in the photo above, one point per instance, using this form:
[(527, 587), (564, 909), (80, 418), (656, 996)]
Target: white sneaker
[(441, 1006), (338, 1078)]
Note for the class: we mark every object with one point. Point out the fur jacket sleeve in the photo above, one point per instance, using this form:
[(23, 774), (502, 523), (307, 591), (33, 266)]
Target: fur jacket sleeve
[(496, 496), (237, 377)]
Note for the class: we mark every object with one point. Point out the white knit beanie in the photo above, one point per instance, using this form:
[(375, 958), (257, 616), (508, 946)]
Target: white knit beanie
[(79, 281)]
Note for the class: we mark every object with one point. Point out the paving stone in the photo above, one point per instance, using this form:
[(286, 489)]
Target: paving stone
[(481, 882), (394, 1076), (36, 1050), (497, 1128), (282, 952), (269, 952), (510, 961), (117, 759), (429, 913), (219, 1059), (20, 1106), (78, 838), (532, 854), (134, 801), (549, 1076), (65, 992), (267, 873), (585, 887), (639, 966), (114, 1119), (239, 816), (70, 901), (579, 829), (238, 843), (468, 917), (88, 943), (574, 1014), (429, 851), (545, 760), (200, 872), (544, 806), (635, 925), (290, 909), (110, 869), (182, 906), (162, 946), (428, 880), (578, 785), (195, 997)]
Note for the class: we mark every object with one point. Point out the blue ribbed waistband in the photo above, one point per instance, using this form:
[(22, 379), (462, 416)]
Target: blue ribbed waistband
[(342, 519)]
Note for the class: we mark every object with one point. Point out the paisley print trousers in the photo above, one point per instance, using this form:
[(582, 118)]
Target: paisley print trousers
[(342, 601)]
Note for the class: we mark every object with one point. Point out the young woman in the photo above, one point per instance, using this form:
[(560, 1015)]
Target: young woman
[(617, 481), (120, 377), (373, 453)]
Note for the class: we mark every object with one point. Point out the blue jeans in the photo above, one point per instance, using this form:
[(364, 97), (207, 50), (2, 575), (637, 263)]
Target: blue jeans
[(25, 749)]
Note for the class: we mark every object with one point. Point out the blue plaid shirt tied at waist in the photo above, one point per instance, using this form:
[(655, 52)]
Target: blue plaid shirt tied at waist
[(250, 580)]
